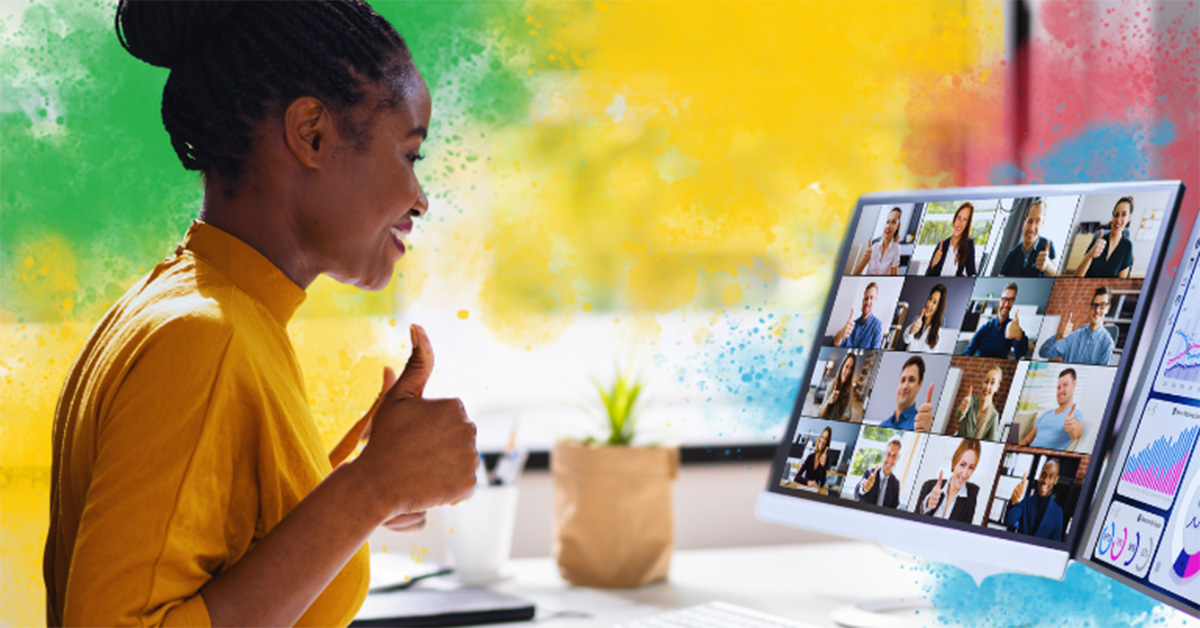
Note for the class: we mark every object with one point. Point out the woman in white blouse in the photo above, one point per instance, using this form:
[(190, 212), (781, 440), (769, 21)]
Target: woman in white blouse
[(882, 257), (925, 333)]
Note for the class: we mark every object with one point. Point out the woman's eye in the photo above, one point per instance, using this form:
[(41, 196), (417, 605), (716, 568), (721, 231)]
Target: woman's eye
[(415, 157)]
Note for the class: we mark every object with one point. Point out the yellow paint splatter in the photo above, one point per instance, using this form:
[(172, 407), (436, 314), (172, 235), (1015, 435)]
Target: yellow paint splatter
[(463, 315), (731, 295)]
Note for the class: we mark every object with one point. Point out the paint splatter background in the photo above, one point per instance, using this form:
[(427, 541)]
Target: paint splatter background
[(677, 174)]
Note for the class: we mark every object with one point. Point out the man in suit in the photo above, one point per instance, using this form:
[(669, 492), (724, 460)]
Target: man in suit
[(1038, 514), (878, 485)]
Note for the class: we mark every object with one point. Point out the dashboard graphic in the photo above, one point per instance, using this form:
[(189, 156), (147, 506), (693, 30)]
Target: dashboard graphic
[(1177, 566), (1128, 539), (1179, 371), (1160, 454)]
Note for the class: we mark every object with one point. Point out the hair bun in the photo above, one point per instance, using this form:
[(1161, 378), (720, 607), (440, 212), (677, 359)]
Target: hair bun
[(161, 33)]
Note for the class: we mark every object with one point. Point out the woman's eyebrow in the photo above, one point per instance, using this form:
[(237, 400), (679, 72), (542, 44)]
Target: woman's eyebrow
[(420, 130)]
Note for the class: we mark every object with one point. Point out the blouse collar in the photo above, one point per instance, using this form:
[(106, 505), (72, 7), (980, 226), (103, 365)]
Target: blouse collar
[(246, 268)]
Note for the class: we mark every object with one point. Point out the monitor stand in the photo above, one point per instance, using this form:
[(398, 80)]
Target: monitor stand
[(885, 613)]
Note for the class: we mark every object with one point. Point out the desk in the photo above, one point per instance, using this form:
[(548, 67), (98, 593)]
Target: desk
[(804, 582)]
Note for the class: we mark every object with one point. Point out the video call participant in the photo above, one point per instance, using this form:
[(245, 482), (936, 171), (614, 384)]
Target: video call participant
[(879, 486), (1001, 337), (907, 415), (1086, 345), (1119, 258), (954, 500), (925, 332), (812, 473), (1038, 514), (837, 403), (977, 416), (955, 256), (1055, 429), (867, 331), (883, 255), (1032, 256)]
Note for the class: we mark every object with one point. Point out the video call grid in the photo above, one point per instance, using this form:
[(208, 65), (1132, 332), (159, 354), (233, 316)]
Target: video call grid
[(1061, 301)]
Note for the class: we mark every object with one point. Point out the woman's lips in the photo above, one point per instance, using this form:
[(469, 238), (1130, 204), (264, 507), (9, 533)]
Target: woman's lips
[(398, 236)]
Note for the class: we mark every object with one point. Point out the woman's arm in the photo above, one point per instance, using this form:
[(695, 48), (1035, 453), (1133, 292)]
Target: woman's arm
[(1091, 253), (421, 454), (862, 261)]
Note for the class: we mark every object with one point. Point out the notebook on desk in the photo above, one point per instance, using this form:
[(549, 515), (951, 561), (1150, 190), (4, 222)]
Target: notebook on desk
[(445, 607)]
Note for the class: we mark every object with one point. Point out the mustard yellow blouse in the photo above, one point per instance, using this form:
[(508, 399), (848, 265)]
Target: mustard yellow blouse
[(182, 437)]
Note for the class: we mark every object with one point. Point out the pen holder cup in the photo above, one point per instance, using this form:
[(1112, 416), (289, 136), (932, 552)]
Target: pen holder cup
[(479, 532)]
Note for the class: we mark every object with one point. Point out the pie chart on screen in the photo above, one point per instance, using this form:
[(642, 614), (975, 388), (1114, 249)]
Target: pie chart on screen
[(1186, 538)]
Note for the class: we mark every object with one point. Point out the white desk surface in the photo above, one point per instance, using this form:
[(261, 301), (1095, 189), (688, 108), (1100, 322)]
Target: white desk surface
[(802, 582)]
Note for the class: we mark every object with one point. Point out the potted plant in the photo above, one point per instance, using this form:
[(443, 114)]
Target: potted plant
[(612, 500)]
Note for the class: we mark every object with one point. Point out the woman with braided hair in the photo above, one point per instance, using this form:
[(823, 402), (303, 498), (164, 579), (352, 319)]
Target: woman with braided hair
[(189, 485)]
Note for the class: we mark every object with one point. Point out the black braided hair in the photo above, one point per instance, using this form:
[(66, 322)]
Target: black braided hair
[(232, 63)]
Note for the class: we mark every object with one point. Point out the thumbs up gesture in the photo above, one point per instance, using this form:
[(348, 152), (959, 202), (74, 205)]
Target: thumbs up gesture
[(1098, 247), (846, 330), (965, 404), (1014, 331), (1072, 425), (1019, 492), (924, 420), (1066, 326), (935, 496), (1042, 258), (421, 452), (937, 255), (869, 481)]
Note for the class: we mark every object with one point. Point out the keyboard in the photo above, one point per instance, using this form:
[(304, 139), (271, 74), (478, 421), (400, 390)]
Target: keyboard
[(715, 615)]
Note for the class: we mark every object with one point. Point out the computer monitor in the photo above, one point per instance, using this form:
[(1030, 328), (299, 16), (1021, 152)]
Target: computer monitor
[(1144, 525), (968, 368)]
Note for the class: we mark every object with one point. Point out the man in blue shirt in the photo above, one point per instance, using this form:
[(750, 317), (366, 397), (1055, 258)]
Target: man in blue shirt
[(1086, 345), (1038, 514), (907, 415), (1032, 256), (1055, 429), (866, 332), (1000, 336)]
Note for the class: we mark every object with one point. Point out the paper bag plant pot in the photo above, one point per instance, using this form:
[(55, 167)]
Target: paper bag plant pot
[(612, 510)]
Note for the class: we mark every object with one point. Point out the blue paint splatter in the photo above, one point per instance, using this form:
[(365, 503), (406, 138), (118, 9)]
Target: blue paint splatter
[(1163, 133), (1101, 152), (1005, 174), (1085, 596)]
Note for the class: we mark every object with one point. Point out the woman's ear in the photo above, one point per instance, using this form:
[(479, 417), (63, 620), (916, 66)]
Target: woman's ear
[(306, 123)]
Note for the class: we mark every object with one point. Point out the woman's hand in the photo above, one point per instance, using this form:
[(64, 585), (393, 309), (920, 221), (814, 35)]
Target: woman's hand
[(937, 255), (1098, 247), (406, 523), (421, 452), (935, 495)]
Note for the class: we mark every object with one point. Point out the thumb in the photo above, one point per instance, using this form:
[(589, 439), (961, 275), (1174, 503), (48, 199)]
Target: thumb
[(939, 484), (851, 315), (1071, 415), (929, 395), (971, 391), (420, 364)]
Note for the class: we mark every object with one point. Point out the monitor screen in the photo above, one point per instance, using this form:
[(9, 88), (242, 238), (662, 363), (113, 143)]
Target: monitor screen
[(971, 358), (1144, 526)]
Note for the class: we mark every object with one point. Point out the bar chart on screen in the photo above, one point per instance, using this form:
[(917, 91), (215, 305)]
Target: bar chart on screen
[(1160, 454)]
